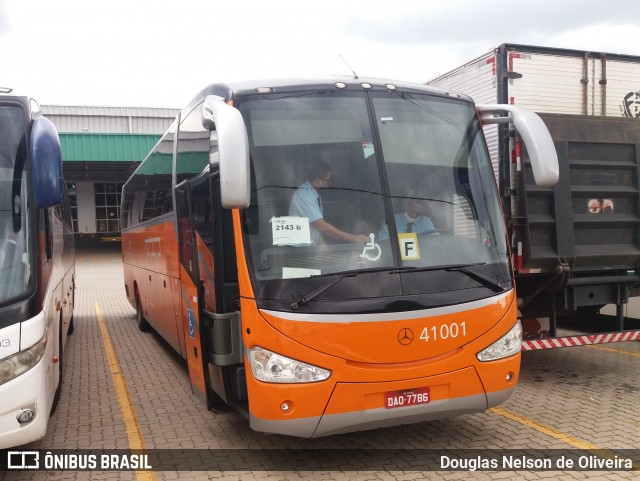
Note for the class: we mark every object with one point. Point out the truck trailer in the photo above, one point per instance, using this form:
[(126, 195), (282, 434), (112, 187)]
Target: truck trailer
[(576, 246)]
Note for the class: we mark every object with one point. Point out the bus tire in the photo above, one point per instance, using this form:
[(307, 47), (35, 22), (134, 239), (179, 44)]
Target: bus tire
[(143, 325)]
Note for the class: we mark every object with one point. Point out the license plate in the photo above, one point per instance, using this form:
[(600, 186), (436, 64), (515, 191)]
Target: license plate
[(410, 397)]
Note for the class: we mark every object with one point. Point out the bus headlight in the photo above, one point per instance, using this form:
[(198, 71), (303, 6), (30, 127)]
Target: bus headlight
[(507, 345), (268, 366), (21, 362)]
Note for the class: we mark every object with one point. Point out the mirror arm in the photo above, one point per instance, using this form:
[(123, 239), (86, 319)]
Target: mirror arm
[(536, 136), (233, 150)]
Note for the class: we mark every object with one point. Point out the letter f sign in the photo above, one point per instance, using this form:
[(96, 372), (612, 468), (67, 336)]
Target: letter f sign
[(409, 250)]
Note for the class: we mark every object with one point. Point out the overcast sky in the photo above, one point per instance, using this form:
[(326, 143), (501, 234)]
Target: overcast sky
[(160, 53)]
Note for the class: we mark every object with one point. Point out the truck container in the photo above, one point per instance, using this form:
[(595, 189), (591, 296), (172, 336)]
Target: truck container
[(576, 246)]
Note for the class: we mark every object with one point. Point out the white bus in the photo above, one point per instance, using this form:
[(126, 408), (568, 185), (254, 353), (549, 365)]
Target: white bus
[(37, 274)]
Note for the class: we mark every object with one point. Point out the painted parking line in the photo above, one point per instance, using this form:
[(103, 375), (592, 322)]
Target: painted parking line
[(548, 430), (131, 425), (554, 433), (617, 351)]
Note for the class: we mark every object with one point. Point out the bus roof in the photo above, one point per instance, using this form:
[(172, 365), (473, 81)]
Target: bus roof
[(231, 90), (30, 104)]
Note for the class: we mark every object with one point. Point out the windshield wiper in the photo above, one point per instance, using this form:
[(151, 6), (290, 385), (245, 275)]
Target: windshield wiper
[(484, 280), (313, 294)]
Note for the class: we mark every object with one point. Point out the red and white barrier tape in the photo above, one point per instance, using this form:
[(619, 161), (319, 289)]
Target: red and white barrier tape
[(570, 341)]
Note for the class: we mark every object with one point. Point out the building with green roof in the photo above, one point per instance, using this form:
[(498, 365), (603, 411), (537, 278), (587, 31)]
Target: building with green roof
[(101, 147)]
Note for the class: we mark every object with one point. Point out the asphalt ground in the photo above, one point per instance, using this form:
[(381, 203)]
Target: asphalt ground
[(125, 389)]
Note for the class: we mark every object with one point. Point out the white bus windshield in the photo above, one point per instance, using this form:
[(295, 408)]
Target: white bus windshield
[(15, 270)]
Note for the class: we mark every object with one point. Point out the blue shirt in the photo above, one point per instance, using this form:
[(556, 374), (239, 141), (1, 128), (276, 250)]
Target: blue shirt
[(422, 224), (306, 202)]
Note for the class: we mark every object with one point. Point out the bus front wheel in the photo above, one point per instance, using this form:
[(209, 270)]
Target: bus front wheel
[(143, 325)]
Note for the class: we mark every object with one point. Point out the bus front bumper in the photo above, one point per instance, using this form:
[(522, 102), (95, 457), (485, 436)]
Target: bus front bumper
[(27, 391), (361, 406)]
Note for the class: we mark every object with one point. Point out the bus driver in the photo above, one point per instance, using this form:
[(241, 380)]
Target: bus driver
[(306, 202)]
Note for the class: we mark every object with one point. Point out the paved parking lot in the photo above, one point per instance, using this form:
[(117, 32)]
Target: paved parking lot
[(583, 397)]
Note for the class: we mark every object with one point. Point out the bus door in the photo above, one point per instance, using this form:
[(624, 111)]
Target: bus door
[(208, 252), (189, 293)]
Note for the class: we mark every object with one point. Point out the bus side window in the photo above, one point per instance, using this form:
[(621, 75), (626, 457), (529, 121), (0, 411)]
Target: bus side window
[(66, 208), (226, 241), (203, 220), (45, 223)]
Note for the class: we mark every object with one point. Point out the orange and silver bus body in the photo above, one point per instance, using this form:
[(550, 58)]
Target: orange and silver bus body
[(311, 337), (386, 368)]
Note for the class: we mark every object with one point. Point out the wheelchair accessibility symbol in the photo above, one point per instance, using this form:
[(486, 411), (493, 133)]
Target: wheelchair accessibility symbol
[(371, 246), (192, 321)]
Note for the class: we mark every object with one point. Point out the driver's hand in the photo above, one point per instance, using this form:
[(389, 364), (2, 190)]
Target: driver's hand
[(359, 239)]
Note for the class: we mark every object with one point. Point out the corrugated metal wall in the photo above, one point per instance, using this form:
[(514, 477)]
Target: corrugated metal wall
[(550, 83), (623, 89), (555, 83), (113, 120), (476, 79), (106, 147)]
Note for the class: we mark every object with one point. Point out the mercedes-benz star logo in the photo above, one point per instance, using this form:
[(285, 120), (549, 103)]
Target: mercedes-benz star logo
[(405, 336)]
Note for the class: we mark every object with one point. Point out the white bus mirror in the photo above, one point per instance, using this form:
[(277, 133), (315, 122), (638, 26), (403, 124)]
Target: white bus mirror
[(233, 151), (534, 133)]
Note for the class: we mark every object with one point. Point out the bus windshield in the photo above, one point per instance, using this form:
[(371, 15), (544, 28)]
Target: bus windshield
[(15, 267), (404, 183)]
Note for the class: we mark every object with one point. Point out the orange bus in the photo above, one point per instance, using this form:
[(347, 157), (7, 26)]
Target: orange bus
[(329, 255)]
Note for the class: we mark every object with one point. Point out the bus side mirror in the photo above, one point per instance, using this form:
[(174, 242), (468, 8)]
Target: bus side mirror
[(536, 136), (46, 163), (233, 151)]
